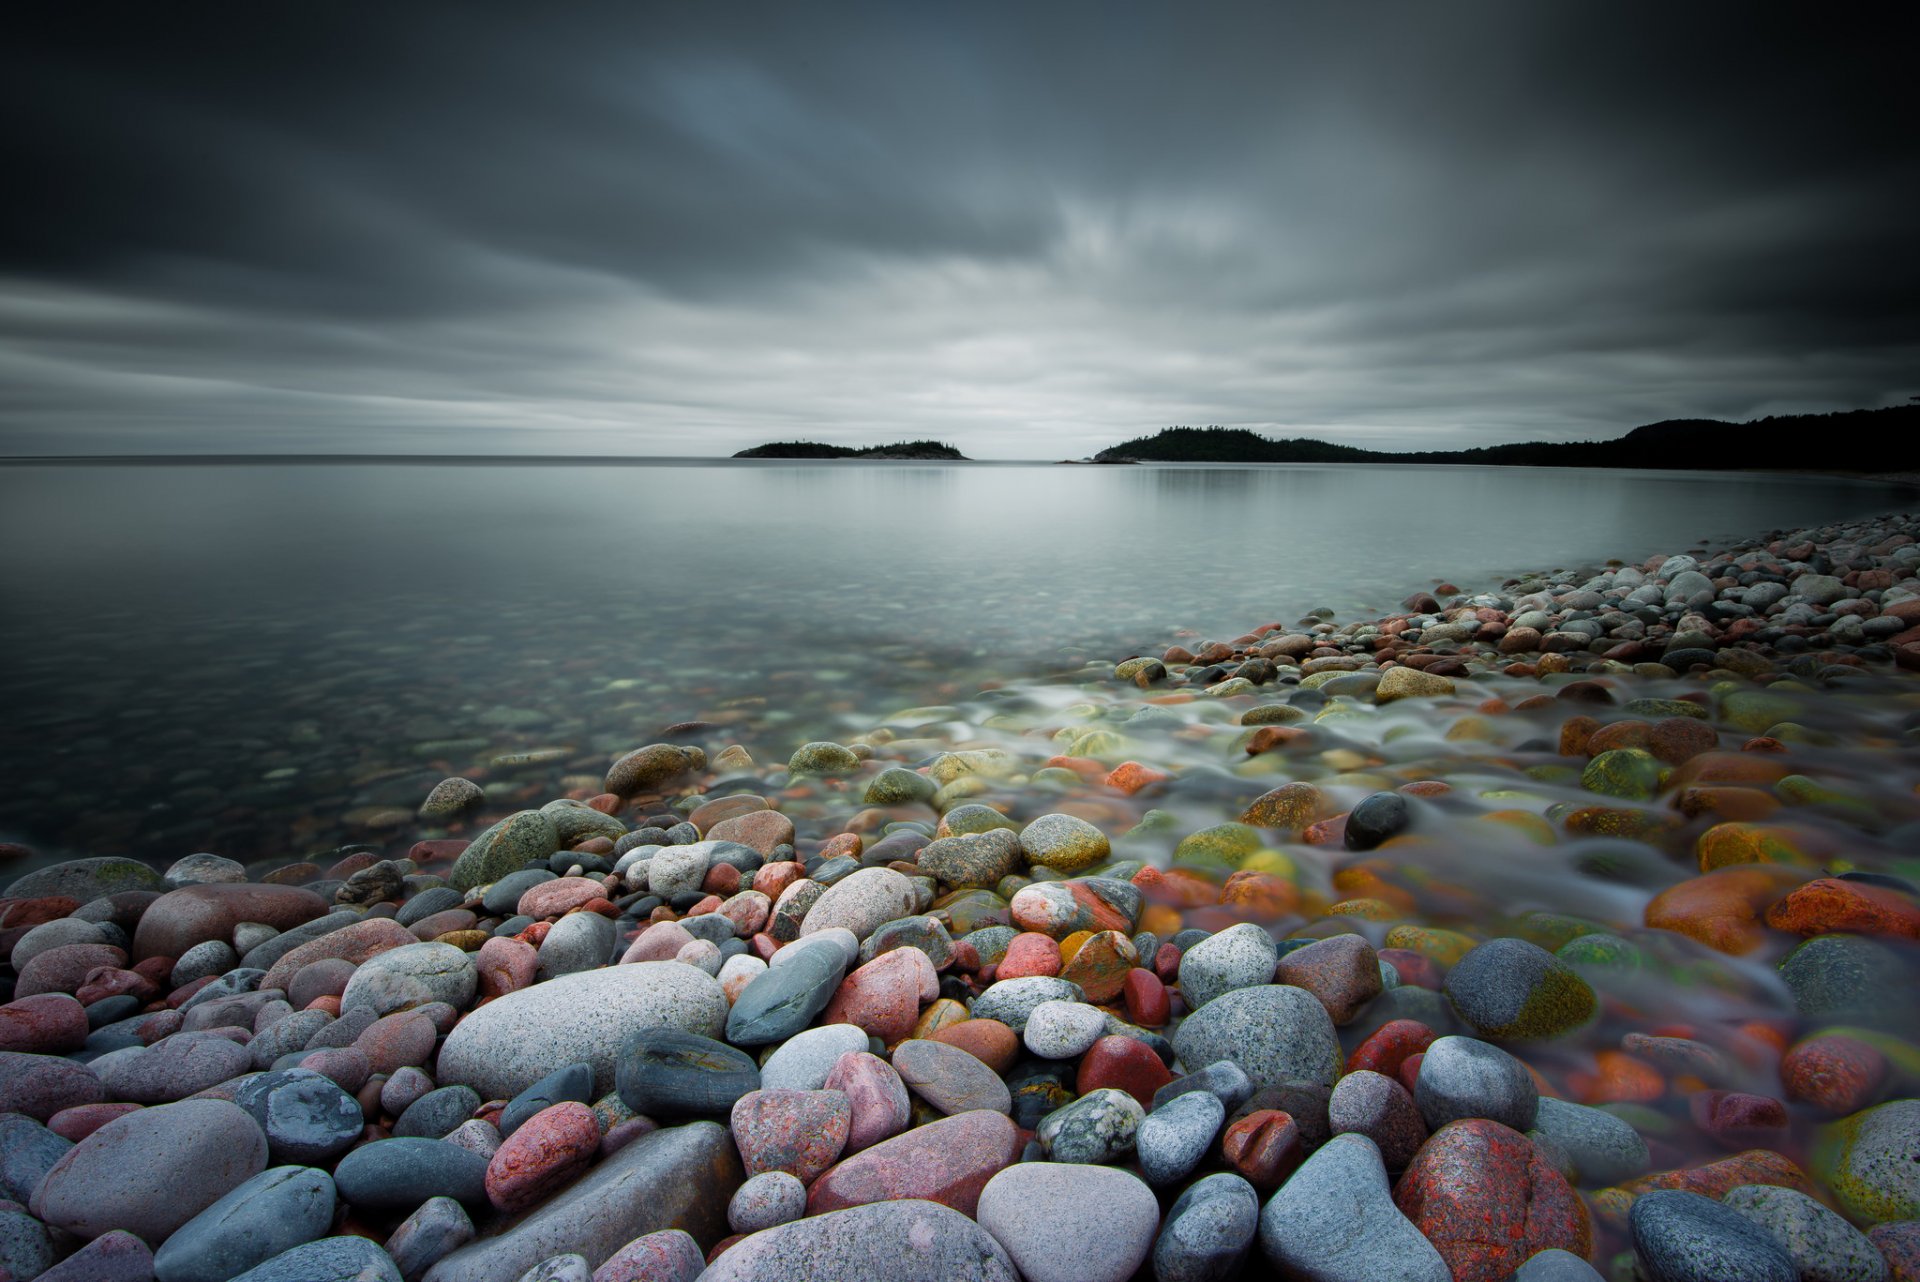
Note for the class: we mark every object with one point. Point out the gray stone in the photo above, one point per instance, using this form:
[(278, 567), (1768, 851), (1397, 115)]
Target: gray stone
[(1603, 1149), (331, 1259), (476, 1135), (26, 1248), (862, 903), (1850, 979), (1097, 1127), (1063, 1030), (409, 976), (510, 1043), (439, 1227), (572, 1084), (118, 1256), (1555, 1265), (676, 870), (678, 1177), (571, 1267), (1378, 1107), (769, 1198), (949, 1078), (58, 933), (1335, 1221), (1063, 1222), (1276, 1033), (503, 896), (1225, 1080), (1176, 1135), (803, 1061), (1683, 1237), (1822, 1246), (28, 1151), (275, 1211), (307, 1118), (86, 879), (213, 957), (451, 797), (783, 999), (438, 1113), (1461, 1077), (424, 904), (508, 846), (664, 1073), (901, 1241), (1207, 1231), (400, 1174), (578, 942), (41, 1085), (1515, 990), (1011, 1000), (1240, 956)]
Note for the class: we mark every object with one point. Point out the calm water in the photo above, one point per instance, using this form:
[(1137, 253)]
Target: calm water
[(233, 657)]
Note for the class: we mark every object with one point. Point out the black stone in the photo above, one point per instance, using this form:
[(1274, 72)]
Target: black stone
[(400, 1174), (666, 1073), (1376, 818), (307, 1118), (782, 1000), (437, 1113)]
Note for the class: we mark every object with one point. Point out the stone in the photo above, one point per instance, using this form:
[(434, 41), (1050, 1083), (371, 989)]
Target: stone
[(1514, 991), (578, 942), (645, 769), (1375, 819), (670, 1255), (862, 902), (1063, 1222), (1241, 956), (1851, 979), (1335, 1221), (574, 1082), (1684, 1237), (1010, 1001), (679, 1177), (571, 1267), (1342, 971), (1603, 1148), (399, 1174), (524, 837), (356, 942), (505, 1046), (975, 860), (28, 1151), (667, 1073), (86, 880), (823, 758), (308, 1120), (948, 1161), (1207, 1231), (1462, 1078), (1378, 1107), (412, 975), (765, 1200), (895, 1241), (876, 1095), (801, 1132), (1173, 1138), (1095, 1128), (45, 1024), (804, 1061), (785, 998), (173, 1068), (437, 1114), (1821, 1244), (181, 919), (330, 1259), (1555, 1265), (541, 1156), (118, 1256), (1063, 1030), (26, 1248), (150, 1172), (1275, 1033), (1064, 843), (1867, 1162), (1488, 1199), (275, 1211), (884, 996), (949, 1078)]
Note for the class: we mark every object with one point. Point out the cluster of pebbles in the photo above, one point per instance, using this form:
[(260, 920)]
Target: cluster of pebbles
[(1560, 932)]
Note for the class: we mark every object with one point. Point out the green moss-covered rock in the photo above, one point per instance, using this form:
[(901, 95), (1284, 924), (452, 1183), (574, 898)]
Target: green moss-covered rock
[(899, 786), (1222, 848), (1632, 774), (1601, 952), (1657, 709), (1511, 990), (823, 758), (1272, 714), (1871, 1162), (1289, 808), (1064, 843), (975, 817), (1754, 710), (646, 769), (508, 846)]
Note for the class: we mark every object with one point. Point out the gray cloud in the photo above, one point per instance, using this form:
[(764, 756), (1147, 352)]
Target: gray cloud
[(1031, 230)]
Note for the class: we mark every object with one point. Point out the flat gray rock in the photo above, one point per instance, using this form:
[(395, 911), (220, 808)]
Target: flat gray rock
[(513, 1041), (904, 1241), (1176, 1135), (1335, 1221)]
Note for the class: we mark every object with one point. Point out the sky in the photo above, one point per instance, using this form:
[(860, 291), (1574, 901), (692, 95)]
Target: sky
[(1029, 230)]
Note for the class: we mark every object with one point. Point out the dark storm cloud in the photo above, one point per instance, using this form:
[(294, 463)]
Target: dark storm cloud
[(1032, 230)]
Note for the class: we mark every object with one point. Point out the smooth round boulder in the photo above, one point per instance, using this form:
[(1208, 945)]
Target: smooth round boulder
[(1063, 1222), (307, 1118), (1064, 843), (1241, 956), (1684, 1237), (1276, 1033), (1512, 990), (409, 976), (513, 1041), (1334, 1221), (862, 902), (1463, 1078), (1207, 1231), (192, 915), (1488, 1200), (150, 1172), (275, 1211), (400, 1174), (666, 1073), (896, 1241)]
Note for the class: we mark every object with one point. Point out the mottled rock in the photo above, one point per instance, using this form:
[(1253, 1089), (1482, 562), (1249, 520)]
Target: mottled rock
[(765, 1200), (1275, 1033), (1207, 1231), (1513, 990), (1335, 1221), (1063, 1222), (1683, 1237), (273, 1212), (1173, 1138), (1821, 1245), (1463, 1078), (949, 1078), (948, 1161), (1241, 956), (894, 1241), (1097, 1127), (307, 1118), (1488, 1199)]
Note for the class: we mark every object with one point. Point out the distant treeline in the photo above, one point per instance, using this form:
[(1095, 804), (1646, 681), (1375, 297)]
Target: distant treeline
[(1883, 440), (812, 449)]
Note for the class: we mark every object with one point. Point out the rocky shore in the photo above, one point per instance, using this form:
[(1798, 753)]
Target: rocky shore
[(1559, 931)]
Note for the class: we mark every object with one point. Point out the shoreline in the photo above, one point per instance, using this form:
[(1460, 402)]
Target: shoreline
[(1640, 840)]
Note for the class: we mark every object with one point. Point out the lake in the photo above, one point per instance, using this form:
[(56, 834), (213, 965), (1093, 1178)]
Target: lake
[(234, 656)]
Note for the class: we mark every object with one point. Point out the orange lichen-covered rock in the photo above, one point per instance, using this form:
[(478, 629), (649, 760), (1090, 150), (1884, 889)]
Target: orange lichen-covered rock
[(1755, 770), (1488, 1199), (1727, 844), (1722, 909), (1575, 734), (1717, 1179), (1830, 904), (1130, 777), (1726, 801), (1261, 893)]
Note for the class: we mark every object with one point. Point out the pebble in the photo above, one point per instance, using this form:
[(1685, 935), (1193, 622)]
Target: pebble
[(400, 1174), (1488, 1199), (948, 1161), (1335, 1221), (118, 1256), (670, 1255), (1463, 1078), (949, 1078), (1063, 1030), (578, 942), (574, 1082), (541, 1156), (1821, 1244), (331, 1259), (1867, 1161), (800, 1132), (1603, 1148), (1343, 972), (877, 1096), (884, 996), (505, 1046), (1064, 843), (275, 1211), (1011, 1000), (1174, 1137), (437, 1114), (1063, 1222), (897, 1241), (28, 1151), (862, 903), (1555, 1265), (308, 1120), (150, 1172), (767, 1199), (1095, 1128), (667, 1073), (571, 1267), (26, 1248), (1238, 957), (1684, 1237), (1223, 1079), (804, 1061), (1275, 1033), (1512, 990), (1207, 1231), (1374, 1105), (437, 1227), (786, 997), (173, 1068)]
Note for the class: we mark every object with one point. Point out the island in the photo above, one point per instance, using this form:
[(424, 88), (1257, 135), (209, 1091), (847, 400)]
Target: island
[(1875, 440), (920, 451)]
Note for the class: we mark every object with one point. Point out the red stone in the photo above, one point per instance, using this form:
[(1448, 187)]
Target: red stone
[(764, 830), (193, 915), (948, 1161), (799, 1132), (1738, 1120), (393, 1042), (542, 1155), (884, 996), (1831, 905), (1126, 1064), (82, 1120), (1409, 1072), (1488, 1200), (1417, 969), (1834, 1072), (876, 1095), (1264, 1146), (722, 880), (46, 1024), (1390, 1046), (1146, 998), (355, 943), (1101, 964), (1899, 1242), (1030, 953), (987, 1040), (1342, 972), (558, 897), (774, 878), (1717, 1179)]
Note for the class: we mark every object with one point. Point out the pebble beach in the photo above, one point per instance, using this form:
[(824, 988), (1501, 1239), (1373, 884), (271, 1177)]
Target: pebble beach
[(1560, 928)]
